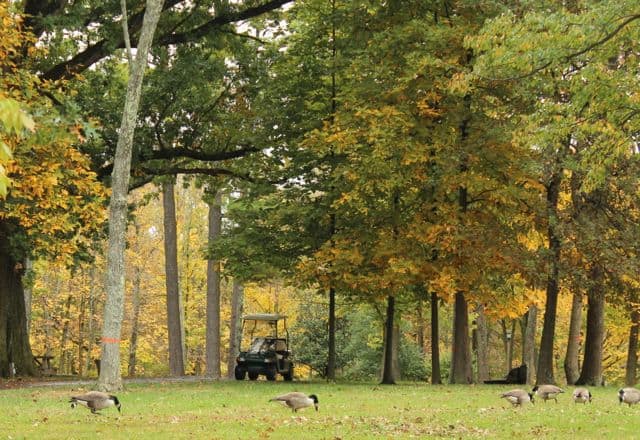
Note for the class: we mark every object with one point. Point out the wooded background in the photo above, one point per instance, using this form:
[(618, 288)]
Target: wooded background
[(431, 190)]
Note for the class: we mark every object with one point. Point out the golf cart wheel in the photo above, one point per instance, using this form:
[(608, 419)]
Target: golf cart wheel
[(288, 376), (271, 373), (253, 375), (240, 373)]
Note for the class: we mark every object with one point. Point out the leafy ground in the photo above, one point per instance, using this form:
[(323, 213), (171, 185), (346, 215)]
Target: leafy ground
[(240, 410)]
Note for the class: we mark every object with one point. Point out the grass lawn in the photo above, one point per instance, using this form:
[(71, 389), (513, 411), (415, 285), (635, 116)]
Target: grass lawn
[(240, 410)]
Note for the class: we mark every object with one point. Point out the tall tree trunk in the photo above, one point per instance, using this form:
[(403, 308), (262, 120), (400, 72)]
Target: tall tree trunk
[(529, 344), (436, 377), (174, 312), (28, 294), (460, 350), (571, 362), (545, 360), (395, 351), (235, 324), (14, 340), (212, 354), (632, 352), (420, 324), (64, 366), (135, 322), (387, 369), (90, 336), (110, 377), (331, 358), (591, 373), (482, 344), (508, 333)]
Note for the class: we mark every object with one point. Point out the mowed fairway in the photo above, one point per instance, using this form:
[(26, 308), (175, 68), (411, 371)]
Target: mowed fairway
[(240, 410)]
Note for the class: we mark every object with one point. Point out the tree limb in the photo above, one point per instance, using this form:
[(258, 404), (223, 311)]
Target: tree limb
[(95, 52)]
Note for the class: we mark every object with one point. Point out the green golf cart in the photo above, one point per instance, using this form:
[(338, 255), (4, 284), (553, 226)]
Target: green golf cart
[(268, 353)]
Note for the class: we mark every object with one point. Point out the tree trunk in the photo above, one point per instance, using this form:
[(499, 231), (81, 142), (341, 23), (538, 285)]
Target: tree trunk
[(571, 362), (90, 336), (632, 353), (395, 351), (508, 334), (482, 345), (436, 377), (28, 294), (64, 366), (545, 360), (110, 377), (15, 349), (174, 312), (460, 350), (529, 344), (235, 324), (420, 324), (135, 322), (591, 373), (331, 358), (387, 369), (212, 354)]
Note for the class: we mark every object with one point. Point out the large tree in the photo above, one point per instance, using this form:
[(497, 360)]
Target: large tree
[(53, 204)]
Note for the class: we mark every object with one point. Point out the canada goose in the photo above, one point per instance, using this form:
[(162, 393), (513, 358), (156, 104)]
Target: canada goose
[(296, 401), (95, 400), (547, 392), (518, 397), (629, 396), (582, 395)]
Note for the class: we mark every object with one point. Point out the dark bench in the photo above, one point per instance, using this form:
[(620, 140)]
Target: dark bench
[(517, 375)]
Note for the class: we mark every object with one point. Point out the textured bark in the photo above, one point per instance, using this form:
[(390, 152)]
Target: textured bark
[(436, 377), (482, 345), (632, 352), (387, 369), (212, 353), (63, 356), (420, 324), (235, 325), (174, 311), (460, 350), (571, 361), (331, 358), (14, 339), (90, 329), (28, 295), (110, 377), (529, 344), (135, 322), (545, 360), (591, 373), (508, 336)]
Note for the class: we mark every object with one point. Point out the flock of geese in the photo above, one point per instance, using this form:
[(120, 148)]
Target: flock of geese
[(96, 400), (518, 397)]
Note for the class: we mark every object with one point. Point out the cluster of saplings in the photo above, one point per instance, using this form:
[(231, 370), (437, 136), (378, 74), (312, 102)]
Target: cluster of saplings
[(519, 397)]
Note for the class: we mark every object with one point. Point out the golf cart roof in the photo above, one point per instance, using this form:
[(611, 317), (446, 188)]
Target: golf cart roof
[(263, 317)]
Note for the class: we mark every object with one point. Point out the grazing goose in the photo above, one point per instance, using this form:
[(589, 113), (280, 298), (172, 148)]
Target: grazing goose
[(517, 397), (629, 396), (547, 392), (95, 401), (296, 401), (582, 395)]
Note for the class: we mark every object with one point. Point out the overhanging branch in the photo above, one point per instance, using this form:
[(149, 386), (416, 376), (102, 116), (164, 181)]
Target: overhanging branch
[(95, 52)]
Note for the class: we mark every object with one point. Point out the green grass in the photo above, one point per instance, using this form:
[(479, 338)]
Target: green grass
[(240, 410)]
